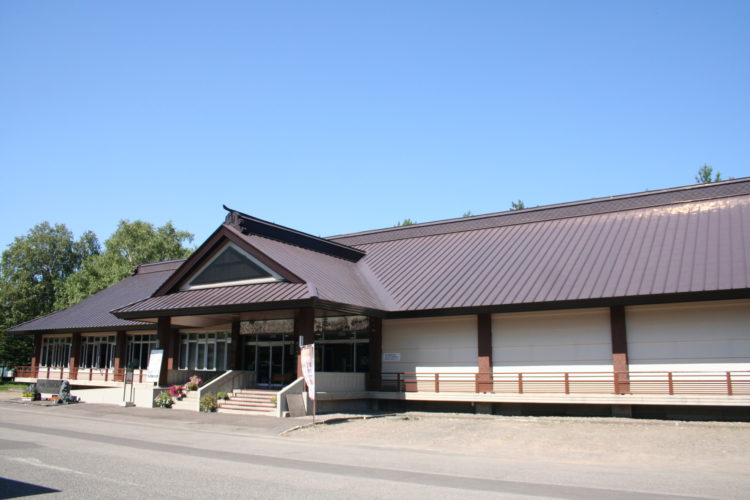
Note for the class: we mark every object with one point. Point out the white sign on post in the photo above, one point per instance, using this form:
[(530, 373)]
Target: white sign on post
[(154, 365), (308, 368)]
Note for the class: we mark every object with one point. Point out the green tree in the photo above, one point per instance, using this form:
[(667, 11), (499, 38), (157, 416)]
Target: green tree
[(706, 175), (517, 205), (467, 214), (32, 271), (132, 244), (405, 222)]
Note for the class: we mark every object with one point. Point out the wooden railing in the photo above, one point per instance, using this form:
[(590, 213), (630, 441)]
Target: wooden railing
[(728, 383), (89, 374)]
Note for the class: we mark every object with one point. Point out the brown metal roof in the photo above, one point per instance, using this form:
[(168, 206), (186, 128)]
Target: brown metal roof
[(689, 240), (206, 299), (679, 248), (678, 241), (93, 313), (559, 211)]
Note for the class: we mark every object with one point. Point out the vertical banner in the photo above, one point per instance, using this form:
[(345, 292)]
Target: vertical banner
[(308, 368)]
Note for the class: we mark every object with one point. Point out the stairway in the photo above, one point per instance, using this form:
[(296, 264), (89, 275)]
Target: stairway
[(189, 402), (250, 402)]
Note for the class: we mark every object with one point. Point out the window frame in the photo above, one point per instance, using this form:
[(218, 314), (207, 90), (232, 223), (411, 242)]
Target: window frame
[(273, 278)]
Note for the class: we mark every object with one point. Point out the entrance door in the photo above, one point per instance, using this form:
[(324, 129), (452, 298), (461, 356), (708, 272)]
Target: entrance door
[(269, 362), (274, 362)]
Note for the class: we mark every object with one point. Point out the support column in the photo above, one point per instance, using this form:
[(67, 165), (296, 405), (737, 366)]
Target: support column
[(235, 358), (620, 365), (484, 353), (36, 357), (174, 349), (375, 375), (120, 360), (75, 353), (164, 334), (304, 326)]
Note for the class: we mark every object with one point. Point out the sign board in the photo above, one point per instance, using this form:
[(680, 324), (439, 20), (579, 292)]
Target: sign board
[(308, 368), (391, 356), (154, 365)]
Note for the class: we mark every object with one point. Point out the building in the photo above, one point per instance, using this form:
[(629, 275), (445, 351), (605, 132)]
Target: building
[(627, 303)]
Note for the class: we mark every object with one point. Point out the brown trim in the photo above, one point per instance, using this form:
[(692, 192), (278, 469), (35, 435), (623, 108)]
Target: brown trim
[(375, 373), (208, 249), (304, 326), (221, 309), (620, 364), (742, 293), (174, 350), (235, 363), (484, 352), (88, 329), (120, 350), (164, 334)]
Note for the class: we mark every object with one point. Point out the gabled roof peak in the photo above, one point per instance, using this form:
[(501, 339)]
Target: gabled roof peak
[(247, 224)]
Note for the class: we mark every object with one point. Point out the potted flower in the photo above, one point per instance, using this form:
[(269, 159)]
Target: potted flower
[(209, 403), (177, 391), (193, 383), (164, 400), (28, 396)]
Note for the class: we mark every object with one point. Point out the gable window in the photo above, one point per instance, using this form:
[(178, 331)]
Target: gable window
[(232, 266)]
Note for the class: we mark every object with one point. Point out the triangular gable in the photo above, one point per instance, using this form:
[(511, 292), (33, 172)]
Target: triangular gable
[(227, 245)]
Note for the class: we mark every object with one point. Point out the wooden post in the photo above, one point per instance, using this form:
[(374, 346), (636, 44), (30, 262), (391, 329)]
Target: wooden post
[(75, 352), (304, 326), (120, 355), (37, 356), (619, 349), (484, 352), (730, 392), (164, 334), (235, 357), (375, 374)]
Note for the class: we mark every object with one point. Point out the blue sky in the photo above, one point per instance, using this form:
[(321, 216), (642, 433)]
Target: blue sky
[(334, 117)]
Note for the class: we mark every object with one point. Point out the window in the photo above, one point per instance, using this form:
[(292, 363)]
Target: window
[(232, 266), (97, 352), (204, 351), (139, 350), (55, 351), (342, 344)]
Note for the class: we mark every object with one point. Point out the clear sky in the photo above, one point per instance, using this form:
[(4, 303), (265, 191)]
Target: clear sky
[(334, 117)]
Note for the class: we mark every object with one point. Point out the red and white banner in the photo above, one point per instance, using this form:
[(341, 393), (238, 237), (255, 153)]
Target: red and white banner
[(308, 368)]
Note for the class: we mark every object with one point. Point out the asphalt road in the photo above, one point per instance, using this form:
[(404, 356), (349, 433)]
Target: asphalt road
[(94, 451)]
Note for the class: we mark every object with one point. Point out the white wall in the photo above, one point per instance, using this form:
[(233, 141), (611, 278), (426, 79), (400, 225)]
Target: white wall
[(703, 336), (552, 341), (444, 344)]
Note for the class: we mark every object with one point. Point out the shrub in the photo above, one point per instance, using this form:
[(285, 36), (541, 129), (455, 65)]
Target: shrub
[(164, 400), (209, 403), (222, 395), (28, 394)]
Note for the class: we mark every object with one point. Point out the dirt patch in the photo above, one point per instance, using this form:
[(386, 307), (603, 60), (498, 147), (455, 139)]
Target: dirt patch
[(715, 446)]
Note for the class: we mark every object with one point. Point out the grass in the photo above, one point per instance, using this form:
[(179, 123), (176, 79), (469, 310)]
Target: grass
[(12, 386)]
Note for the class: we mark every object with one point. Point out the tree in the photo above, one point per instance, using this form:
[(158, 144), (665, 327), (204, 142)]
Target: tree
[(32, 270), (467, 214), (705, 175), (132, 244), (517, 205), (405, 222)]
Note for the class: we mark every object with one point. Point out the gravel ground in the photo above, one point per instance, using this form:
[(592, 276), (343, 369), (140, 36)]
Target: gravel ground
[(722, 447)]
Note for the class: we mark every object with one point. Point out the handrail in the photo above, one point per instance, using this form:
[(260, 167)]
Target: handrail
[(685, 382), (78, 373)]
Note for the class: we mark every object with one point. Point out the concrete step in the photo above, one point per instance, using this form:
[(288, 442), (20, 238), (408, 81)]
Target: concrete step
[(261, 404), (244, 412)]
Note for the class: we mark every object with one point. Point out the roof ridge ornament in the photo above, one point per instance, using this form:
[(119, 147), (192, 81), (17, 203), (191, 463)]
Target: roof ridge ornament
[(233, 217)]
